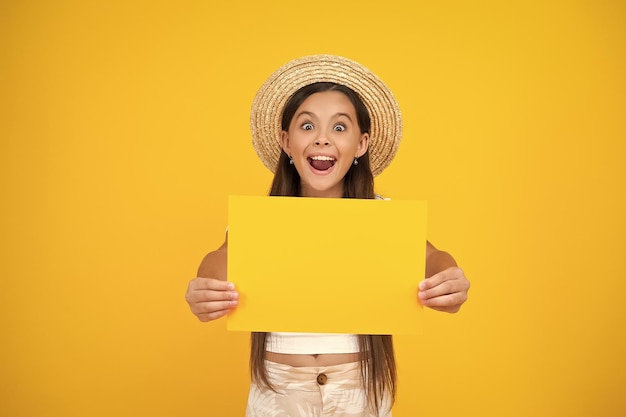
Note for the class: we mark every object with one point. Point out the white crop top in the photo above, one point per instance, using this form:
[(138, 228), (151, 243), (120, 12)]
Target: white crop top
[(311, 343)]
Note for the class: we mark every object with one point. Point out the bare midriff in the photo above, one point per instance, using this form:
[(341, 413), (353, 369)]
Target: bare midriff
[(326, 359)]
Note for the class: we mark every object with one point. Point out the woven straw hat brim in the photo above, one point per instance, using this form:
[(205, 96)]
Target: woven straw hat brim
[(270, 100)]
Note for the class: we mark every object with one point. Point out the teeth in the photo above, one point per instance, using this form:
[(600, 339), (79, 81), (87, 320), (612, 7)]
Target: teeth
[(322, 158)]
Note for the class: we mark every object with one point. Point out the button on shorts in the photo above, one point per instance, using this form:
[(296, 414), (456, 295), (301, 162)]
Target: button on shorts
[(312, 392)]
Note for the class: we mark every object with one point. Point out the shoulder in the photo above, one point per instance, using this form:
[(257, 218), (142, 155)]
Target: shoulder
[(380, 197)]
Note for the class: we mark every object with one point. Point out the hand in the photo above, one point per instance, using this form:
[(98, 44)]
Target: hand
[(211, 298), (444, 291)]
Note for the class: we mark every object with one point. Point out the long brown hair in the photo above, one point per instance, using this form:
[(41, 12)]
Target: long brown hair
[(378, 365)]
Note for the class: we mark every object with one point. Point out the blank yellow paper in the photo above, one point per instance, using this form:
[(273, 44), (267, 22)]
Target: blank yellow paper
[(326, 265)]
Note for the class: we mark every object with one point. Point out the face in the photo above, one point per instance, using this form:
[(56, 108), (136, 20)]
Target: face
[(323, 139)]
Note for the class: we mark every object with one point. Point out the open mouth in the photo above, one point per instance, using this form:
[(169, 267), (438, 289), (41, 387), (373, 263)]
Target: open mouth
[(322, 162)]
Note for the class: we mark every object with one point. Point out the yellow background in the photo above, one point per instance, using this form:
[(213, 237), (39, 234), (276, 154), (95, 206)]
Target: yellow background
[(124, 127)]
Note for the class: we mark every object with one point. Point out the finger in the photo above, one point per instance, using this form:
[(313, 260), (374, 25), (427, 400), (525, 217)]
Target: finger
[(212, 316), (203, 296), (445, 275), (446, 301), (445, 288), (453, 309), (212, 307), (201, 283)]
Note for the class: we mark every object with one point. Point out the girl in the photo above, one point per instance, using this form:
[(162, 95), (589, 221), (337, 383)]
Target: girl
[(325, 126)]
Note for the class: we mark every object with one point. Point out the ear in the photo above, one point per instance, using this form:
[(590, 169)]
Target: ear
[(284, 142), (364, 143)]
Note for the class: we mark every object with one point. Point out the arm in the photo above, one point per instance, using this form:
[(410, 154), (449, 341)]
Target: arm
[(445, 287), (214, 263), (209, 295)]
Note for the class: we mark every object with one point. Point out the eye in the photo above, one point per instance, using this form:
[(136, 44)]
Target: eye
[(307, 126), (340, 128)]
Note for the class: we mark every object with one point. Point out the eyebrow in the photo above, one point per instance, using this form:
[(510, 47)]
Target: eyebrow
[(311, 114)]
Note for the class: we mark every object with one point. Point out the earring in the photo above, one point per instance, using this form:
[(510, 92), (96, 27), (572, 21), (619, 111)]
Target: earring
[(356, 161), (290, 160)]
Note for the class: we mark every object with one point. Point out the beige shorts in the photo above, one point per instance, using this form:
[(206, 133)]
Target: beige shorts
[(312, 392)]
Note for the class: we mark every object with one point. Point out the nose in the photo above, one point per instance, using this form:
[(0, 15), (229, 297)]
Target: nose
[(322, 140)]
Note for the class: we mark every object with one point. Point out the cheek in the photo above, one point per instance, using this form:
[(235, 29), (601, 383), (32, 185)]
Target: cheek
[(350, 147), (297, 139)]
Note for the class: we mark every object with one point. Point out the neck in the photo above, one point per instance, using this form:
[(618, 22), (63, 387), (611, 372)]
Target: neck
[(335, 192)]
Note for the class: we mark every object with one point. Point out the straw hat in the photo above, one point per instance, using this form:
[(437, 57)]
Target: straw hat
[(270, 100)]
